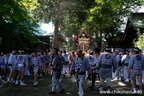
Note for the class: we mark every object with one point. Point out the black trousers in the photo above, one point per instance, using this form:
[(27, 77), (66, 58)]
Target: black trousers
[(94, 75)]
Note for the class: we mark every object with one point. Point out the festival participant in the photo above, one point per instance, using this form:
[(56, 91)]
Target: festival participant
[(62, 62), (79, 66), (119, 65), (27, 69), (106, 62), (22, 61), (42, 56), (71, 58), (14, 66), (37, 64), (91, 61), (10, 64), (95, 72), (47, 61), (1, 67), (50, 61), (56, 73), (125, 61), (142, 70), (2, 64), (136, 65), (6, 67), (66, 63), (1, 84), (122, 72), (40, 68)]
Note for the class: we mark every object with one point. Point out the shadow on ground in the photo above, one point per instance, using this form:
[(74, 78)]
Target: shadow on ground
[(69, 84)]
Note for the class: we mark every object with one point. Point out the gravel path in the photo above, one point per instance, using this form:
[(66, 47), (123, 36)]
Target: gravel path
[(69, 84)]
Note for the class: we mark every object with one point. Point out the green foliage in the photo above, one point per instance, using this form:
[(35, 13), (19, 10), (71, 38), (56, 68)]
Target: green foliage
[(17, 24), (106, 17), (70, 14), (100, 17), (140, 40)]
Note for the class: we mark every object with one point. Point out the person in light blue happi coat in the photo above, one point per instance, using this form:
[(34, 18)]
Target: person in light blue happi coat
[(27, 69), (136, 65), (119, 65), (106, 64), (12, 66), (66, 63), (2, 64), (22, 61), (125, 61), (6, 66), (47, 61), (43, 60), (62, 62), (37, 64), (56, 66), (50, 60), (71, 58), (143, 69), (40, 68), (93, 62), (79, 66)]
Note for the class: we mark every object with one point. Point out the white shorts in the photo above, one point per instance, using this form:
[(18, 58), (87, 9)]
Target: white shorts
[(35, 69)]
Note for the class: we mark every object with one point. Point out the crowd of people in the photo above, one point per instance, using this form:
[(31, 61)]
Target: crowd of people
[(118, 65)]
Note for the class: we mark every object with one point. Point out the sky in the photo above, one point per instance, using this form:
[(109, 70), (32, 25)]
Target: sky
[(48, 28)]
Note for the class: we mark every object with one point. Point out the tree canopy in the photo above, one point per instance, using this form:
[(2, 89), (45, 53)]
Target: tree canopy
[(100, 17), (17, 23)]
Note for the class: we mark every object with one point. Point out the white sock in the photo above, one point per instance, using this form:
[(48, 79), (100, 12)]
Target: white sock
[(108, 89), (134, 89), (28, 72), (11, 79)]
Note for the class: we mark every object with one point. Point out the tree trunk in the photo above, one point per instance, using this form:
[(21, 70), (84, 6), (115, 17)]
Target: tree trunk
[(55, 35)]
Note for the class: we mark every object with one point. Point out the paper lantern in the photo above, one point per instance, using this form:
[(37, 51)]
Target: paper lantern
[(90, 40), (94, 37), (73, 36), (73, 40)]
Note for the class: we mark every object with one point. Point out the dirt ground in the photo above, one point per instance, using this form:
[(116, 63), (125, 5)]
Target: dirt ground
[(69, 84)]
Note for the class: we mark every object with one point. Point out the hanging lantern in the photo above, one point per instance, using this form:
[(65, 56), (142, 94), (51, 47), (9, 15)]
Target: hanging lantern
[(94, 36), (73, 36), (73, 40), (90, 40)]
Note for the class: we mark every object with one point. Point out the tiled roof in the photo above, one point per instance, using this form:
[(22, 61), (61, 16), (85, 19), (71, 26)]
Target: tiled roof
[(137, 20)]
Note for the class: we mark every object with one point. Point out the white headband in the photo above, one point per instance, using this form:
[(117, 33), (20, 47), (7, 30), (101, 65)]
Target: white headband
[(136, 50)]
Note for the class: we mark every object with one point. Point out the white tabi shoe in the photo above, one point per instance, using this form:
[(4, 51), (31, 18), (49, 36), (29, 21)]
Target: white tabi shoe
[(28, 73), (126, 80), (139, 91), (134, 91), (22, 84), (119, 78), (13, 81), (8, 80), (116, 78), (108, 91), (40, 75), (16, 83), (1, 86), (101, 89), (35, 84)]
